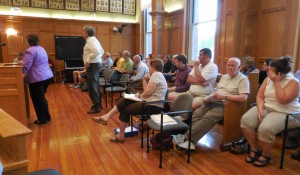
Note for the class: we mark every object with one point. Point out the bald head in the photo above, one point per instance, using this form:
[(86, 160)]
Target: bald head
[(136, 59)]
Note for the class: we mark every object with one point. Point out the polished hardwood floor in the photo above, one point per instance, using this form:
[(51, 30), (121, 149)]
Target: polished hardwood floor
[(75, 145)]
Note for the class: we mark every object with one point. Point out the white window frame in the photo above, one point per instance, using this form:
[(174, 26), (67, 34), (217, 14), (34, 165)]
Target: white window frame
[(191, 25), (147, 32)]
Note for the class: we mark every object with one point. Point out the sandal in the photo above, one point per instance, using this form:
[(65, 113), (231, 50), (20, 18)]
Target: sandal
[(99, 120), (262, 163), (251, 159)]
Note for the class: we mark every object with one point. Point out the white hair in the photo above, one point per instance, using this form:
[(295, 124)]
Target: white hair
[(139, 58), (235, 59)]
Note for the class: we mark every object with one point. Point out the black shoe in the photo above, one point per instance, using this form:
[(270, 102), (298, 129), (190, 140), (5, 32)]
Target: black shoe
[(296, 155), (292, 143), (94, 110), (39, 122)]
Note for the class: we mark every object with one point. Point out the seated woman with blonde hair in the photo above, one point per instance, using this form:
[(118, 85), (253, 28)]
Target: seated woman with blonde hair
[(277, 96), (155, 89), (248, 65)]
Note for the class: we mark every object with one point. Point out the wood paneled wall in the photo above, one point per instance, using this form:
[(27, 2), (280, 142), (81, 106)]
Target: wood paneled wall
[(47, 28), (260, 28), (173, 33)]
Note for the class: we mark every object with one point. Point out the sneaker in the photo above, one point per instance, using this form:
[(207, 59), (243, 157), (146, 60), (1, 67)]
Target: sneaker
[(76, 86), (184, 146), (178, 139), (292, 143), (296, 155), (72, 85)]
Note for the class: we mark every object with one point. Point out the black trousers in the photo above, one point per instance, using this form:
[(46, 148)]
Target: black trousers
[(40, 104), (129, 107), (93, 84)]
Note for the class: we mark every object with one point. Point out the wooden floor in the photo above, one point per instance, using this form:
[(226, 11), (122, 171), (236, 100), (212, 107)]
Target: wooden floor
[(73, 144)]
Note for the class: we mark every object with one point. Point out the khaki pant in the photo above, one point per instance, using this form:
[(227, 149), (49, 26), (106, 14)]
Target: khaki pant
[(205, 118), (272, 124)]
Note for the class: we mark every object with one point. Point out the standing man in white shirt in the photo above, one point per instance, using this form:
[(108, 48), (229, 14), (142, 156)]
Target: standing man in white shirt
[(92, 54)]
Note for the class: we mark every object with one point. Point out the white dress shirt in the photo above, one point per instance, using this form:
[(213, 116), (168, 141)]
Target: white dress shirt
[(92, 51)]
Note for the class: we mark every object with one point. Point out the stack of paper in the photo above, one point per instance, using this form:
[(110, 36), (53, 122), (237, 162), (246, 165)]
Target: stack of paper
[(167, 120), (131, 97)]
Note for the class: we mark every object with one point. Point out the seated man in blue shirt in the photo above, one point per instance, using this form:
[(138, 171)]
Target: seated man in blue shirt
[(141, 70)]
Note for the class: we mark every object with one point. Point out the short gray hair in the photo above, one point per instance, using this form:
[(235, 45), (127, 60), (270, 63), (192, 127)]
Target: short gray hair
[(90, 30), (127, 53), (235, 59)]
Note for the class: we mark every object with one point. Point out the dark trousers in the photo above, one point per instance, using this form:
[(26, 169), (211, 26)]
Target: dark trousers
[(116, 76), (168, 77), (93, 84), (129, 107), (37, 93)]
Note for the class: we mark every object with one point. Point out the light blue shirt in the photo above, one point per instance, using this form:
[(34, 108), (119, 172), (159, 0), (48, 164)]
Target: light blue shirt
[(142, 70), (107, 62)]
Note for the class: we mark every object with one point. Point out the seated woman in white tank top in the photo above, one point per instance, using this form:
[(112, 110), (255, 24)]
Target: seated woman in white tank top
[(277, 96)]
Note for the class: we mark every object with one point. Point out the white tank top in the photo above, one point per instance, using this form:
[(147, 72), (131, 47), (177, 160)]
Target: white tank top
[(271, 100)]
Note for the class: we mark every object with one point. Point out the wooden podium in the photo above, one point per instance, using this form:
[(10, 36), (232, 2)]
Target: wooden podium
[(13, 145), (13, 92)]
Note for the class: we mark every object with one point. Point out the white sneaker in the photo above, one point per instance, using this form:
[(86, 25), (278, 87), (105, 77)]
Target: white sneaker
[(76, 86), (72, 85), (178, 139), (184, 146)]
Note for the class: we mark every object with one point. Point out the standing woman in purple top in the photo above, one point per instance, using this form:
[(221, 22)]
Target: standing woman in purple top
[(38, 75)]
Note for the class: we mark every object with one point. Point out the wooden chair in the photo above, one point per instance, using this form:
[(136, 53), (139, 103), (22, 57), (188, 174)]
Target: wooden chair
[(233, 112), (253, 81)]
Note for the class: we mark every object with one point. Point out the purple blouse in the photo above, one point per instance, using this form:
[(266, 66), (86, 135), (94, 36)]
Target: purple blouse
[(35, 65)]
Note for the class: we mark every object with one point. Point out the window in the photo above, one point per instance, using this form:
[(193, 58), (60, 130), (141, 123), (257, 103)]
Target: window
[(204, 23), (148, 32)]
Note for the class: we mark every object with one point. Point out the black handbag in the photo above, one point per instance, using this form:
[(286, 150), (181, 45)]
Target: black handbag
[(166, 142), (239, 146)]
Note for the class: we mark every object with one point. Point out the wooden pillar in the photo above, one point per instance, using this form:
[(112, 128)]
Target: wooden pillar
[(158, 12)]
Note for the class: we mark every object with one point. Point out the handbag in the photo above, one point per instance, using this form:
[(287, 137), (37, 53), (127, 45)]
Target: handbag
[(239, 146), (166, 142)]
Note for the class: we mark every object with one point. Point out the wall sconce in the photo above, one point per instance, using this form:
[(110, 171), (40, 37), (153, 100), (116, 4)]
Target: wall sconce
[(119, 29), (11, 31)]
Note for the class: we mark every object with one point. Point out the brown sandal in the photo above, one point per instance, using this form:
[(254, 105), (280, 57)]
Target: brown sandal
[(99, 120)]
